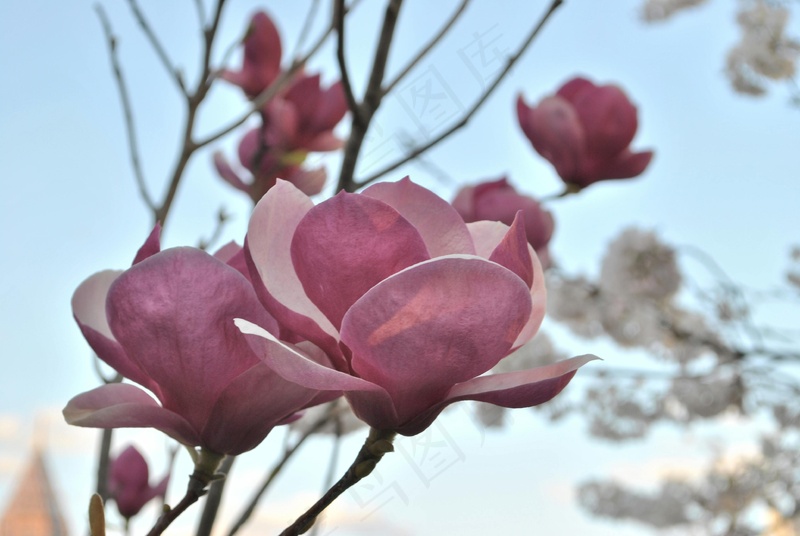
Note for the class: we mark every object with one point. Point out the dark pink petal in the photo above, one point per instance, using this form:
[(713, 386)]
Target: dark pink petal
[(248, 150), (332, 107), (512, 251), (576, 87), (173, 316), (626, 165), (556, 133), (308, 181), (281, 124), (433, 325), (151, 246), (464, 203), (262, 57), (89, 310), (348, 244), (267, 248), (520, 389), (487, 236), (228, 174), (442, 229), (119, 405), (239, 423), (608, 118)]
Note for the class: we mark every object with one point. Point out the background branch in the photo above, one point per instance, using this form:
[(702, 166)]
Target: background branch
[(157, 46), (475, 107)]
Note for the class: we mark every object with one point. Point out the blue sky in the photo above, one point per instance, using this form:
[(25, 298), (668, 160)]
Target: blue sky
[(725, 179)]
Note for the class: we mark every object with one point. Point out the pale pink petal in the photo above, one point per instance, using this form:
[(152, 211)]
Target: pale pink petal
[(119, 405), (323, 142), (269, 237), (435, 324), (173, 314), (441, 227), (348, 244)]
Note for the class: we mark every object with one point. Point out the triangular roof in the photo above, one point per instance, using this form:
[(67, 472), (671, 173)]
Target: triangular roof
[(33, 509)]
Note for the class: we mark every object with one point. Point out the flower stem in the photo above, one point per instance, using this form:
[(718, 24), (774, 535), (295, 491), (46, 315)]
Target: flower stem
[(378, 443)]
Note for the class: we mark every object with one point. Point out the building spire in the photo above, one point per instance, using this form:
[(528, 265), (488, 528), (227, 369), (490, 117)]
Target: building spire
[(33, 509)]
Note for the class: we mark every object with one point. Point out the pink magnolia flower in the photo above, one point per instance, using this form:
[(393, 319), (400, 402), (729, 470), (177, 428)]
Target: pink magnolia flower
[(262, 57), (265, 166), (584, 130), (499, 201), (304, 116), (411, 304), (166, 323), (129, 482)]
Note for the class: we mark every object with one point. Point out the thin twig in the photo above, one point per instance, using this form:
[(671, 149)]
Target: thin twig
[(222, 218), (372, 99), (287, 455), (193, 102), (378, 443), (130, 129), (428, 47), (159, 49), (475, 107), (305, 29), (334, 460), (338, 22), (201, 12)]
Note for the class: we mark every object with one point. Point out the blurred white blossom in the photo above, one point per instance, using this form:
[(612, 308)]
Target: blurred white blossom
[(661, 10), (763, 51), (638, 264), (574, 302), (706, 397)]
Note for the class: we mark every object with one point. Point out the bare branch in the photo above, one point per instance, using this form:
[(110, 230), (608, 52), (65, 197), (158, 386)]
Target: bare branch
[(304, 31), (133, 147), (157, 46), (372, 98), (338, 22), (475, 107), (201, 12), (428, 47)]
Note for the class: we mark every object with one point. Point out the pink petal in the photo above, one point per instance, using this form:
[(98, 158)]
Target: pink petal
[(173, 315), (464, 203), (555, 131), (323, 142), (249, 407), (228, 174), (89, 310), (370, 402), (348, 244), (520, 389), (512, 252), (433, 325), (608, 118), (269, 236), (573, 89), (119, 405), (626, 165), (262, 57), (151, 246), (442, 229), (308, 181)]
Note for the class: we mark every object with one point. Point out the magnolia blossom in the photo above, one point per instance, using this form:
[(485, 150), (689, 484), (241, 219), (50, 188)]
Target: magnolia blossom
[(262, 57), (584, 130), (410, 304), (499, 201), (129, 482), (167, 324)]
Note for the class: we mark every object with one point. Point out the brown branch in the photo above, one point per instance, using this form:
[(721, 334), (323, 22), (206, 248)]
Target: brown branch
[(193, 102), (157, 46), (475, 107), (130, 129), (287, 455), (214, 498), (372, 99), (428, 47), (338, 22), (378, 443)]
